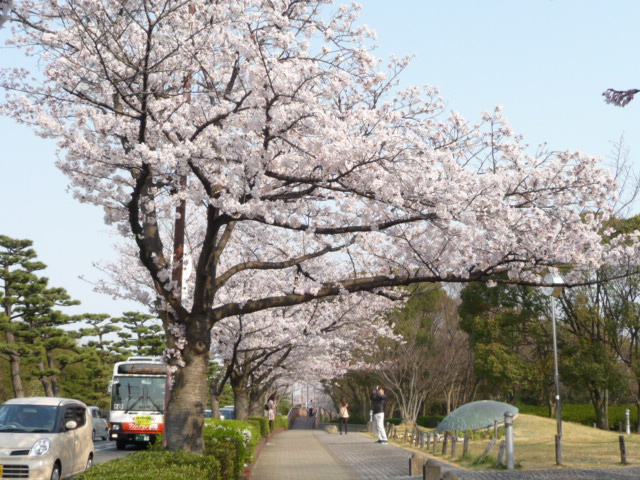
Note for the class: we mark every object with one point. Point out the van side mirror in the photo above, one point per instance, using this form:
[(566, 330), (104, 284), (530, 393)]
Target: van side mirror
[(71, 425)]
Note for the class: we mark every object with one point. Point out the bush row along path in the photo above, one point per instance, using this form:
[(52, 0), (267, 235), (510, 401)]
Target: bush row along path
[(317, 455)]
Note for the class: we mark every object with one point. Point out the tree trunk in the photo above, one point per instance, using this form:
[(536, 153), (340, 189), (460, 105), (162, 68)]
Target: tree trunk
[(14, 367), (45, 380), (185, 412), (55, 385), (600, 402), (241, 402), (215, 406), (256, 404)]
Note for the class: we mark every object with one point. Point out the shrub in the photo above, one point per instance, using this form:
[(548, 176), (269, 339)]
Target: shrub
[(281, 421), (394, 421), (156, 465), (232, 442), (429, 421), (262, 423)]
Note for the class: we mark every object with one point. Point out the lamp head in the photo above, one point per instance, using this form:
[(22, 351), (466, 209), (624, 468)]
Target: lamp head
[(555, 290)]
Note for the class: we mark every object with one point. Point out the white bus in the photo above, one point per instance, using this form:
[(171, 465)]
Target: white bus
[(137, 401)]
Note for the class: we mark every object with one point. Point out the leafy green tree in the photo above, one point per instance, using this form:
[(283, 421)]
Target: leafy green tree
[(588, 357), (509, 331)]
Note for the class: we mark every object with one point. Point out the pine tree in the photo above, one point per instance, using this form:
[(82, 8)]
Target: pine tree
[(28, 317), (141, 334)]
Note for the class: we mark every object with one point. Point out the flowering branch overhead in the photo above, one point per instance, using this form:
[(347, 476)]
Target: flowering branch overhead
[(619, 98)]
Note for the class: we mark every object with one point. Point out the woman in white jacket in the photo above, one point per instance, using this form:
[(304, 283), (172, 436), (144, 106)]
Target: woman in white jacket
[(343, 413)]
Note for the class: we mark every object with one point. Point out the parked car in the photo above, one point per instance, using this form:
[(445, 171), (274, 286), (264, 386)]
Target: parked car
[(227, 412), (100, 424), (44, 438)]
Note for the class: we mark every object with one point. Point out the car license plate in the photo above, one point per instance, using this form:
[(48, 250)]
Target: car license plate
[(142, 438)]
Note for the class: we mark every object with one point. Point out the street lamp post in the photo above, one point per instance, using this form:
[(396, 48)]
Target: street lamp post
[(553, 292)]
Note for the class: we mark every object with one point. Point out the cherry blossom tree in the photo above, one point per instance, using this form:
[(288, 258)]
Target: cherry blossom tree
[(314, 341), (288, 155)]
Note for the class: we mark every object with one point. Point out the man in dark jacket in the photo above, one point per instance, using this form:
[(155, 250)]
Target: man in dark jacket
[(378, 401)]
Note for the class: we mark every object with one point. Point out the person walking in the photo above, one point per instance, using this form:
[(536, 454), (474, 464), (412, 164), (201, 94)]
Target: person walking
[(343, 413), (271, 410), (379, 400)]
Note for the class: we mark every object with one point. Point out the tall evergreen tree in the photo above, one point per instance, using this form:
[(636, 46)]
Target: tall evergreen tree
[(140, 334), (28, 319)]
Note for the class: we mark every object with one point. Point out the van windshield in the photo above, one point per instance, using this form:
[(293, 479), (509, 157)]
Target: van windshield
[(140, 393), (28, 418)]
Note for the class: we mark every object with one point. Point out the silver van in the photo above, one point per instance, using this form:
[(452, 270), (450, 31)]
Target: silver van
[(100, 424), (44, 438)]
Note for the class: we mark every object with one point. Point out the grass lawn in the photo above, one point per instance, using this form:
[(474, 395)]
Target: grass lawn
[(582, 446)]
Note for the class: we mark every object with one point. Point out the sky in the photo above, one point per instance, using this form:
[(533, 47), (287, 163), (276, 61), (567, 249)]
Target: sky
[(546, 62)]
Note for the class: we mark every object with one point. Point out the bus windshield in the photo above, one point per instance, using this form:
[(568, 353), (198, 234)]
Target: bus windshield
[(139, 393)]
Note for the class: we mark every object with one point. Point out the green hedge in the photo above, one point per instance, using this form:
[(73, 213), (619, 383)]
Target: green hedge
[(229, 446), (262, 423), (232, 442), (281, 421), (429, 421), (393, 421), (157, 465), (584, 413)]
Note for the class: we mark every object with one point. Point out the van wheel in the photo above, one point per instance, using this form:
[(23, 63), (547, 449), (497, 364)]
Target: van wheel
[(121, 444), (55, 475), (89, 463)]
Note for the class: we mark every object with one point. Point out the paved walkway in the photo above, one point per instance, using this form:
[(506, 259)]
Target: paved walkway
[(299, 455), (317, 455)]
